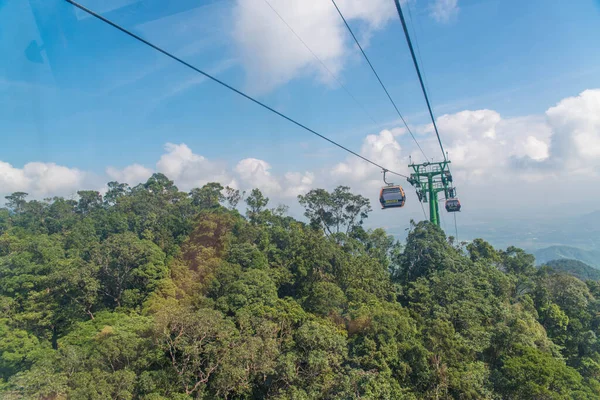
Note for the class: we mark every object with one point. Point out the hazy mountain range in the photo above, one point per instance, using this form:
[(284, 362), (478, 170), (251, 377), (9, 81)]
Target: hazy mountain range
[(574, 267), (576, 237), (589, 257)]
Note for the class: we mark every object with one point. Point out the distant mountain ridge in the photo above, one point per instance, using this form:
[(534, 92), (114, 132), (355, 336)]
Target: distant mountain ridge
[(589, 257), (576, 268), (580, 231)]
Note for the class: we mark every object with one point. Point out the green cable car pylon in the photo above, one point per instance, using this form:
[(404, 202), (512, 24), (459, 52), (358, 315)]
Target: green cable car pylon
[(431, 178)]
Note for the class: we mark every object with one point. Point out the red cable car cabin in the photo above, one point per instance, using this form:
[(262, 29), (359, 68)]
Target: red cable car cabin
[(453, 205)]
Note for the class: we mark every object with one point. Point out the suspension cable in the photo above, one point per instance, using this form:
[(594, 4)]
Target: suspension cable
[(423, 208), (414, 31), (358, 103), (378, 78), (414, 58), (443, 218), (456, 228), (214, 79)]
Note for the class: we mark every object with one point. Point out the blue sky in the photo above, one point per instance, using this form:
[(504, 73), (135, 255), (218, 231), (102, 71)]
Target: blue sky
[(95, 98)]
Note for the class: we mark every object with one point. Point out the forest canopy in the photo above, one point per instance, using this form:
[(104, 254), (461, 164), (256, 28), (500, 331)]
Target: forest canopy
[(152, 293)]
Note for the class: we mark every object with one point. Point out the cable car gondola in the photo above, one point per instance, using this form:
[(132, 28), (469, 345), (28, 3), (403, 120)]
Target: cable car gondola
[(453, 205), (392, 196)]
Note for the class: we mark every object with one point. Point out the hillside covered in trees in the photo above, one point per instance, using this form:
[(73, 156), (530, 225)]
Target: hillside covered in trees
[(152, 293), (589, 257), (574, 267)]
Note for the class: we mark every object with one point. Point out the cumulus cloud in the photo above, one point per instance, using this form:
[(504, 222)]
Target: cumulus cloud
[(362, 177), (575, 123), (188, 169), (40, 179), (272, 55), (535, 148), (482, 144), (486, 148), (256, 173), (298, 183), (444, 10), (132, 174), (180, 164), (12, 179), (382, 148), (565, 140)]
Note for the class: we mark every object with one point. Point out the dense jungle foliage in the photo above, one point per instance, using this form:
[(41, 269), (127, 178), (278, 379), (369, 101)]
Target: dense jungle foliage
[(576, 268), (153, 293)]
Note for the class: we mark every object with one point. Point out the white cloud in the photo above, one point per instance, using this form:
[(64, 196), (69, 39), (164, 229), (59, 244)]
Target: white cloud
[(575, 123), (40, 179), (363, 177), (51, 178), (178, 160), (12, 179), (444, 10), (132, 174), (383, 149), (516, 159), (180, 164), (272, 55), (565, 141), (483, 145), (188, 169), (472, 124), (399, 131), (256, 173), (535, 148), (298, 183)]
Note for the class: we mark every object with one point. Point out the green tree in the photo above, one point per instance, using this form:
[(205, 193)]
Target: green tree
[(129, 269), (233, 197), (17, 349), (157, 294), (160, 184), (426, 251), (102, 358), (209, 196), (114, 192), (536, 375), (479, 249), (335, 212), (16, 201), (196, 343), (89, 200), (60, 215), (257, 203)]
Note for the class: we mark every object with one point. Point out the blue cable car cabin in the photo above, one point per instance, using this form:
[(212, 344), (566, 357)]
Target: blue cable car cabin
[(453, 205), (392, 196)]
